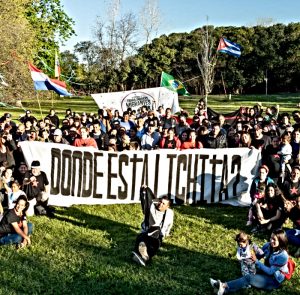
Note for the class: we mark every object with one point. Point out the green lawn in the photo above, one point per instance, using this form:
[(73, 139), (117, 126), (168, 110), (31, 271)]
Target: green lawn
[(86, 249)]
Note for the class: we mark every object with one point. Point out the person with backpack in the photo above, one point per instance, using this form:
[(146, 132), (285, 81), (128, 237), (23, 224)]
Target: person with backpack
[(271, 274), (157, 224)]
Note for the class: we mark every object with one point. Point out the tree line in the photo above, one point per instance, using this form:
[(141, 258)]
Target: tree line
[(124, 55), (270, 54)]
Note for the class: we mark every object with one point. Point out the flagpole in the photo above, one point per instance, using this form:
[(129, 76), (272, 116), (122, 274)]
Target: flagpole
[(223, 85), (37, 96)]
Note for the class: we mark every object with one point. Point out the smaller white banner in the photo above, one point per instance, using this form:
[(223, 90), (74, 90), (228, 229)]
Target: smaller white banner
[(134, 99)]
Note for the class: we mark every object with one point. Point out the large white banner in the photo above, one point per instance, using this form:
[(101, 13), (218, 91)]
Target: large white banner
[(88, 176), (134, 99)]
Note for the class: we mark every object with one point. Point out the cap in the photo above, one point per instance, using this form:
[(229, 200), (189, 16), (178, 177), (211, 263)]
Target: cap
[(57, 132), (28, 112), (196, 118), (258, 126), (7, 115), (35, 164), (116, 122)]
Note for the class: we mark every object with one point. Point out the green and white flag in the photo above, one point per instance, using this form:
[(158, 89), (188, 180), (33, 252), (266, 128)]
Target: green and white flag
[(171, 83)]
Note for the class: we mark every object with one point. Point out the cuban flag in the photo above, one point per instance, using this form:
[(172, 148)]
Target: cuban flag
[(229, 47), (43, 82)]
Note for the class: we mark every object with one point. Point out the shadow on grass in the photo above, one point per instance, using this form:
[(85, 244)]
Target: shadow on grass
[(86, 250)]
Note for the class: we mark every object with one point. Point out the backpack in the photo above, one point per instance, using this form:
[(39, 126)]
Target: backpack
[(291, 268)]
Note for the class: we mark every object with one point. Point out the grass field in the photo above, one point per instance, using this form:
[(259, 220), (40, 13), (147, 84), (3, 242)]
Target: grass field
[(86, 249)]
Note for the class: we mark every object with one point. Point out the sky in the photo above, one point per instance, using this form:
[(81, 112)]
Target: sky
[(183, 15)]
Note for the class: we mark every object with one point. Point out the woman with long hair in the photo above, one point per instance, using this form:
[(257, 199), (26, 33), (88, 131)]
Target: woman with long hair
[(272, 271), (14, 228)]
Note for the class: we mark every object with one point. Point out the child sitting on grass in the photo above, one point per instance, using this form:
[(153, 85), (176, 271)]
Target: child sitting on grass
[(244, 253)]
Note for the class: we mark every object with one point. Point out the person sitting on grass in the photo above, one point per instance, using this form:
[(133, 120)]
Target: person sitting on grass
[(257, 190), (272, 271), (14, 228), (244, 253), (269, 212), (293, 235), (158, 221)]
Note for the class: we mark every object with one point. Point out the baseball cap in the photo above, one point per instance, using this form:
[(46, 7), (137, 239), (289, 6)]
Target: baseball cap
[(57, 132)]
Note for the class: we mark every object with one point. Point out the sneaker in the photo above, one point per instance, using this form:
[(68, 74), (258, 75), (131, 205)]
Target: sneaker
[(221, 290), (249, 223), (143, 251), (138, 259), (214, 284)]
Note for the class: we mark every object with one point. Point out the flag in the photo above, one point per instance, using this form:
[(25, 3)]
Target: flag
[(173, 84), (43, 82), (57, 66), (229, 47)]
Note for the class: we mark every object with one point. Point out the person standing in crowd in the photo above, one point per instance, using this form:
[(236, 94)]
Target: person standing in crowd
[(192, 142), (58, 137), (285, 154), (295, 143), (100, 137), (170, 141), (14, 228), (157, 224), (216, 139), (85, 139), (53, 118), (271, 274), (260, 141), (126, 123), (182, 124), (36, 186), (168, 121), (291, 185), (150, 140), (271, 158)]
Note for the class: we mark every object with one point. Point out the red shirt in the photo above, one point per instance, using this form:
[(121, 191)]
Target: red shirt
[(86, 142)]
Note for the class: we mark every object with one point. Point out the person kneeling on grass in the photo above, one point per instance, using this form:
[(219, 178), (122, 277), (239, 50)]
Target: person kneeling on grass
[(158, 221), (14, 228), (270, 275)]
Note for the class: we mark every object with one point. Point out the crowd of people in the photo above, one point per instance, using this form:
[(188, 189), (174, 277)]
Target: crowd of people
[(275, 192)]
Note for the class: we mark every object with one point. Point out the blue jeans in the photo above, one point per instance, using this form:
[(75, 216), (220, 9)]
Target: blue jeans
[(15, 238), (260, 281), (293, 240)]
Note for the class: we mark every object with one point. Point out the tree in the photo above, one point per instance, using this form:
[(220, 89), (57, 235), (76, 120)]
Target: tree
[(150, 19), (206, 59), (115, 41), (16, 50), (51, 25)]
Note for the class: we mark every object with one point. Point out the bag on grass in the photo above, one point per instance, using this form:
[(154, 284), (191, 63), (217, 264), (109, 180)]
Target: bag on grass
[(291, 268)]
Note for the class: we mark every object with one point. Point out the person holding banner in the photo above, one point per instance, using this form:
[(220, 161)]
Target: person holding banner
[(157, 224), (36, 186)]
